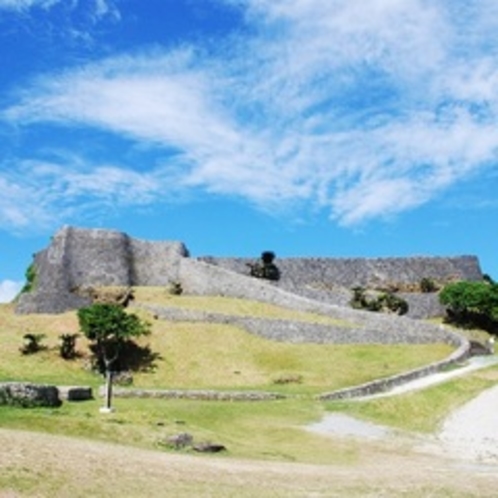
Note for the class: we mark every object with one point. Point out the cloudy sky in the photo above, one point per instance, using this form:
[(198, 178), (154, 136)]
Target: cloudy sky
[(306, 127)]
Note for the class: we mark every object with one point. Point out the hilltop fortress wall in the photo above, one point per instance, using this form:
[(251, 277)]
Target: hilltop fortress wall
[(79, 258)]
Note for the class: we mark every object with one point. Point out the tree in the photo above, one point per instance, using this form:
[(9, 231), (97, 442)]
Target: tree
[(266, 268), (472, 304), (109, 328)]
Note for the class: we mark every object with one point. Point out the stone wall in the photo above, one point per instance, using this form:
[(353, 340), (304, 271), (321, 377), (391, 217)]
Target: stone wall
[(78, 258), (330, 279)]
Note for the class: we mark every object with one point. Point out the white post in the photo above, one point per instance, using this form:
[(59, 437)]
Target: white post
[(107, 408)]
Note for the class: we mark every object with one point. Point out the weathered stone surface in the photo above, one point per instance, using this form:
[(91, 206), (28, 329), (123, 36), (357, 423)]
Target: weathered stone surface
[(113, 295), (324, 273), (198, 395), (75, 393), (209, 447), (179, 441), (79, 258), (29, 395)]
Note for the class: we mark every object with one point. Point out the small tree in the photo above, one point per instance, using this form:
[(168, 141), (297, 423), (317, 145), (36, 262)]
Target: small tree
[(33, 343), (67, 347), (266, 268), (109, 328)]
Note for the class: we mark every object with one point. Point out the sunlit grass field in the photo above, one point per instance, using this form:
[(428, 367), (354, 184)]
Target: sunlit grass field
[(222, 356), (208, 355)]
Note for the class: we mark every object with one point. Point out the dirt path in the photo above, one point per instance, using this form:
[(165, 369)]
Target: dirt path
[(471, 432), (45, 465)]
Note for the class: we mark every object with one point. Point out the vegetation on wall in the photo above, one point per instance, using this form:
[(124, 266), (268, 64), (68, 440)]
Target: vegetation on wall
[(427, 285), (386, 302), (30, 275), (265, 268)]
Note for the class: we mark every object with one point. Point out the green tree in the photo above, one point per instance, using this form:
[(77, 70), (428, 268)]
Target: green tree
[(109, 328), (472, 304)]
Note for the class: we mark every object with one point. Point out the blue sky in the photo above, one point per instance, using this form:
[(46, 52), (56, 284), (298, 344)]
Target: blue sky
[(307, 127)]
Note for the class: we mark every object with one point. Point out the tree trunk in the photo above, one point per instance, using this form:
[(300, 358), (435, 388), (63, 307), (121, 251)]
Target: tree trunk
[(107, 408)]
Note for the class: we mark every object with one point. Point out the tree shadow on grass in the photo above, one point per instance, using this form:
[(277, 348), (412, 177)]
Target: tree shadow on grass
[(131, 358)]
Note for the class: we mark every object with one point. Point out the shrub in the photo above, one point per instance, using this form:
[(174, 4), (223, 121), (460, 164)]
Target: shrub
[(32, 344), (428, 285), (386, 302), (67, 348), (265, 268), (471, 304), (175, 289)]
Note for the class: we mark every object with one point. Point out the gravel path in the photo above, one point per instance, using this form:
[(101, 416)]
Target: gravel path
[(470, 433), (474, 363)]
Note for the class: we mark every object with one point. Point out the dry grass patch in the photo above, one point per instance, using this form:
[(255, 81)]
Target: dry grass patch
[(44, 465), (200, 355), (229, 306), (205, 356)]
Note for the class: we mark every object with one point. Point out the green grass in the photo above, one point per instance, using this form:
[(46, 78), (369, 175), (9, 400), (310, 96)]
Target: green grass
[(264, 430), (212, 356), (220, 356)]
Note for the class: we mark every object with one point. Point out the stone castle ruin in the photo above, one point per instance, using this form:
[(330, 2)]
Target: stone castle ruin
[(81, 258)]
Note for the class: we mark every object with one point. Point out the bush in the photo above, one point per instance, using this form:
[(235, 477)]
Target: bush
[(471, 304), (265, 268), (428, 285), (32, 344), (175, 289), (385, 302), (67, 348)]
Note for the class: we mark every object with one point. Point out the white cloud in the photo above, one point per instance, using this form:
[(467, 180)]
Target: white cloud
[(9, 290), (40, 195), (20, 5), (364, 108), (101, 8)]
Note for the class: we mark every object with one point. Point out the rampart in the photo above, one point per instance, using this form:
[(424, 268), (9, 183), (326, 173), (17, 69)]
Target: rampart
[(79, 258)]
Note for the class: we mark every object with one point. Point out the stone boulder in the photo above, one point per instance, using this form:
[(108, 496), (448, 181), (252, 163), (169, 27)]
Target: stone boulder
[(29, 395), (75, 393)]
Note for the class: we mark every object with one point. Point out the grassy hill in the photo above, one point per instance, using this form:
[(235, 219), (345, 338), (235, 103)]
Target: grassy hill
[(224, 357), (211, 355)]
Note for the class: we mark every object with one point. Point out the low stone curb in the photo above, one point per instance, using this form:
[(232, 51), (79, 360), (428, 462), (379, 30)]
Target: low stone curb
[(388, 383), (75, 393), (198, 395)]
